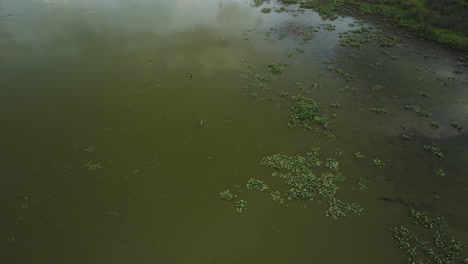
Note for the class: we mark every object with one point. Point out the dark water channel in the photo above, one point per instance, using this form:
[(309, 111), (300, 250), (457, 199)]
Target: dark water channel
[(122, 121)]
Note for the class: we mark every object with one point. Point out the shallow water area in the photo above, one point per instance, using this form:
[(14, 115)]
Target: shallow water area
[(123, 121)]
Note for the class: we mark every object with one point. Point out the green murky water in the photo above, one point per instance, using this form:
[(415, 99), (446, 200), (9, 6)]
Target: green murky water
[(104, 159)]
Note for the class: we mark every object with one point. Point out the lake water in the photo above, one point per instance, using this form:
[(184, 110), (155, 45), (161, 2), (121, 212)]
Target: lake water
[(122, 121)]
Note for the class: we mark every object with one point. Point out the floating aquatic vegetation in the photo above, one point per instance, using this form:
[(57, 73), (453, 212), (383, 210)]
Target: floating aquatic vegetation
[(443, 248), (329, 134), (347, 89), (377, 87), (328, 27), (362, 183), (276, 196), (419, 112), (375, 66), (456, 125), (305, 112), (332, 164), (435, 151), (246, 32), (424, 94), (378, 163), (257, 3), (359, 155), (299, 50), (439, 172), (379, 110), (358, 37), (347, 76), (241, 206), (338, 208), (266, 10), (408, 136), (276, 68), (335, 105), (306, 183), (256, 184), (226, 195), (434, 125)]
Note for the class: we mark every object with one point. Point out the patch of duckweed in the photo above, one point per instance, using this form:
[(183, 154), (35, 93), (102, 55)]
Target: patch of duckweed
[(443, 248)]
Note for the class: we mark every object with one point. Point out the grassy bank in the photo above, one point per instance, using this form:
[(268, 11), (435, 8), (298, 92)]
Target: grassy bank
[(441, 21)]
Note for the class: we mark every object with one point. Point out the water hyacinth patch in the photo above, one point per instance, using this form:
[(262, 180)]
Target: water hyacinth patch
[(435, 151), (378, 163), (306, 182), (276, 196), (241, 206), (442, 249), (256, 184), (275, 68), (456, 125), (305, 112), (226, 195)]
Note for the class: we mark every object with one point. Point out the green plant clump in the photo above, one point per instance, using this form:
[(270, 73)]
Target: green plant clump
[(276, 196), (443, 248), (266, 10), (359, 155), (456, 125), (275, 68), (307, 180), (378, 163), (305, 112), (362, 183), (435, 151), (419, 112), (226, 195), (241, 206), (256, 184), (434, 125), (439, 172), (379, 110)]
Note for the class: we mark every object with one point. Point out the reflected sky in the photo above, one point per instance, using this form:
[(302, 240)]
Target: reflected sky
[(106, 31)]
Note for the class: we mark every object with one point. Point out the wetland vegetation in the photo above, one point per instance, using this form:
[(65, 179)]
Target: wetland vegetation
[(234, 132)]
